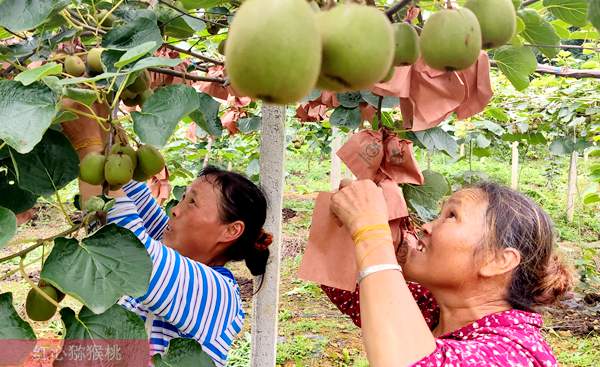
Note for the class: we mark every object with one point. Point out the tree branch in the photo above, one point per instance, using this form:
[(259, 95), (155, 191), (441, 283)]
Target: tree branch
[(192, 53), (187, 76), (39, 243), (190, 15), (528, 2), (396, 8), (562, 72)]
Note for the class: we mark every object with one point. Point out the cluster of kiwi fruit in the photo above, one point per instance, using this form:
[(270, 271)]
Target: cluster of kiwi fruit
[(350, 47), (74, 65), (136, 93), (121, 166), (38, 308)]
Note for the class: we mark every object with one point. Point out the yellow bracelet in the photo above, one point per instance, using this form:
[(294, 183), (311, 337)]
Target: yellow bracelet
[(374, 236), (361, 231), (362, 259), (88, 143)]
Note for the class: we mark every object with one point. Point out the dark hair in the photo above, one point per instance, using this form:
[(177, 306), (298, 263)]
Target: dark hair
[(242, 200), (516, 221)]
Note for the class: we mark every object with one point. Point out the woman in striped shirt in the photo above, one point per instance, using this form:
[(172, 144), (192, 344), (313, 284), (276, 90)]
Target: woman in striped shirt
[(191, 294)]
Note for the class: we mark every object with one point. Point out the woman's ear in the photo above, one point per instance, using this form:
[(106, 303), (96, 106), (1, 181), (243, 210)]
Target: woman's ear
[(233, 231), (500, 262)]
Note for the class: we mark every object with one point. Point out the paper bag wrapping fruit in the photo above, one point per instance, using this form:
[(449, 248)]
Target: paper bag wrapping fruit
[(377, 155), (427, 96)]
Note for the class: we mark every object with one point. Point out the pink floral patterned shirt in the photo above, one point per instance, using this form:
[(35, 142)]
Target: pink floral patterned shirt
[(508, 338)]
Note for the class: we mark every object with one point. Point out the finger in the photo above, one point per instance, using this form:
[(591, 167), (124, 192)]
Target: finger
[(345, 182)]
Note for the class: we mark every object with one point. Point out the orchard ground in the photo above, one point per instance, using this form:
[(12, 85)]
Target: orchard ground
[(311, 330)]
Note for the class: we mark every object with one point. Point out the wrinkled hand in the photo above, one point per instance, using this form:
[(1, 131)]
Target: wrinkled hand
[(358, 204), (85, 134)]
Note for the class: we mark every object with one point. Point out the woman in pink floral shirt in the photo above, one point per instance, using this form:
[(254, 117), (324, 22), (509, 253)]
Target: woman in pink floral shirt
[(467, 291)]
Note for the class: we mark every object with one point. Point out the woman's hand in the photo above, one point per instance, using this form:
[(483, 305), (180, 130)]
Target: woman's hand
[(358, 204), (85, 133)]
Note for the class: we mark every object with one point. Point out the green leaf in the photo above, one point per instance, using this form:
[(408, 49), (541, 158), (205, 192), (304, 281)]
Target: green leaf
[(25, 113), (516, 63), (424, 199), (539, 32), (22, 15), (482, 152), (437, 139), (497, 113), (591, 198), (345, 117), (115, 329), (13, 197), (562, 146), (531, 138), (561, 28), (589, 34), (183, 352), (18, 338), (153, 62), (137, 31), (162, 111), (101, 268), (30, 76), (571, 11), (85, 96), (65, 116), (201, 4), (135, 53), (248, 124), (373, 100), (594, 13), (8, 225), (520, 25), (207, 115), (349, 99), (50, 166)]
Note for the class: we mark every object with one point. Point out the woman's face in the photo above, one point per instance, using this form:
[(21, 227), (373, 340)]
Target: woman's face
[(445, 257), (195, 228)]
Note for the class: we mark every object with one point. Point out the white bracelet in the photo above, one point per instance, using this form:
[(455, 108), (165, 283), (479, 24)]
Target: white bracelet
[(377, 268)]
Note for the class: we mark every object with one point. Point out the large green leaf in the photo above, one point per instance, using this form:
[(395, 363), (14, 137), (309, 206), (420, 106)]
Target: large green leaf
[(516, 63), (101, 268), (207, 115), (30, 76), (437, 139), (183, 352), (117, 332), (424, 199), (249, 124), (594, 13), (566, 145), (530, 138), (17, 336), (135, 53), (137, 31), (571, 11), (177, 25), (153, 62), (349, 99), (8, 225), (51, 165), (13, 197), (25, 113), (21, 15), (162, 111), (373, 100), (539, 32), (345, 117)]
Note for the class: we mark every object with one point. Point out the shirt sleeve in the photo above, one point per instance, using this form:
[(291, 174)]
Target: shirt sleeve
[(348, 302), (189, 295), (153, 216)]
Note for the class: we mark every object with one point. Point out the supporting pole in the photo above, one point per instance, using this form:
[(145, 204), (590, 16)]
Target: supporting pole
[(514, 176), (266, 301), (572, 189), (336, 163)]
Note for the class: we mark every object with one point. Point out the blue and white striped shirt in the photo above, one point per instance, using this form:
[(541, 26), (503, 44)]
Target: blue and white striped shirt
[(185, 298)]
